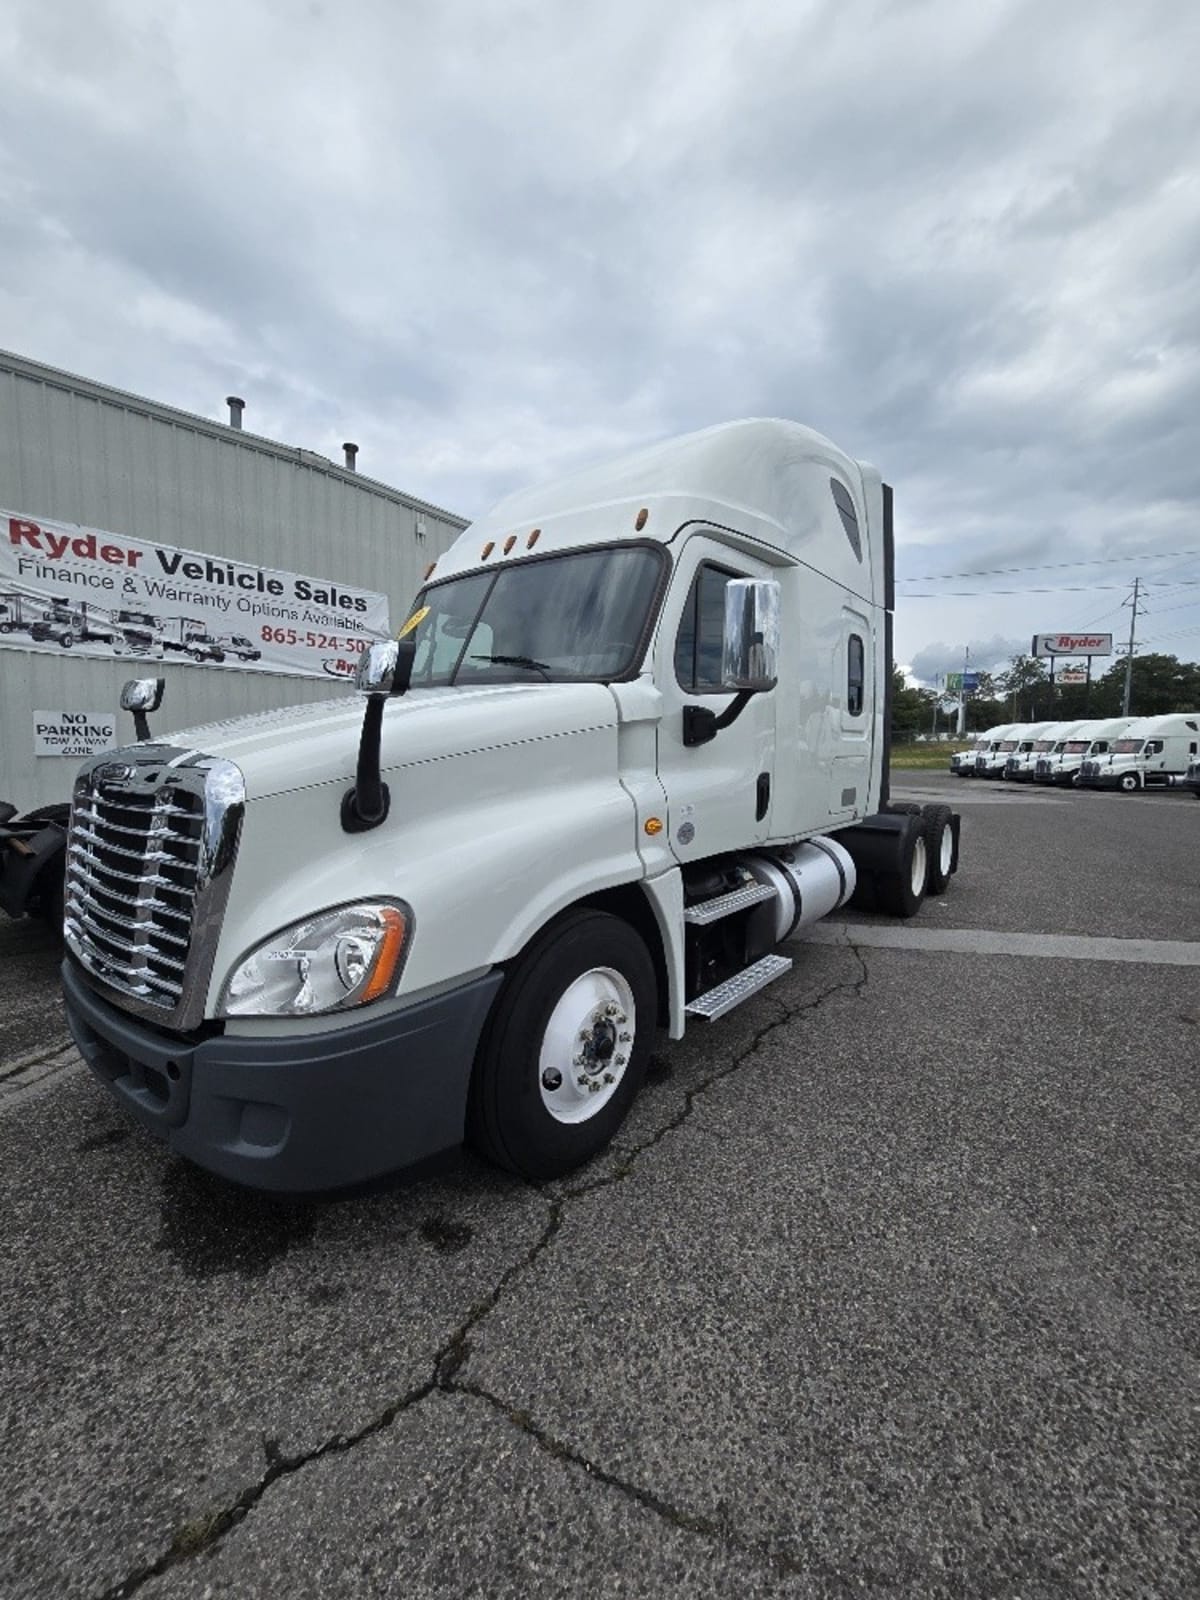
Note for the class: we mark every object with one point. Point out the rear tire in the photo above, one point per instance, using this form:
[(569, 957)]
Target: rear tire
[(900, 892), (569, 995), (939, 847)]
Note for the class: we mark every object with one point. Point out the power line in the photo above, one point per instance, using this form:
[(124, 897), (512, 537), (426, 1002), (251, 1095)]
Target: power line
[(1078, 588), (1054, 566)]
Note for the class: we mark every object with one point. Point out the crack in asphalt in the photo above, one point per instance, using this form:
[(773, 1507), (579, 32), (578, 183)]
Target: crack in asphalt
[(203, 1533), (27, 1062)]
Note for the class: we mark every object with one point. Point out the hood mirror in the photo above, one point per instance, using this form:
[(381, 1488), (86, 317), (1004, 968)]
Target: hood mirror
[(385, 667), (384, 671), (141, 695)]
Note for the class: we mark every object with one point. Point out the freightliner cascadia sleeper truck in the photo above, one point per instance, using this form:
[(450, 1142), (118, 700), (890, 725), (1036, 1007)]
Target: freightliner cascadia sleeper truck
[(633, 736)]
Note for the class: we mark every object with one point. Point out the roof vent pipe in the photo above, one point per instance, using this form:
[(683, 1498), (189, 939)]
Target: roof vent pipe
[(236, 407), (351, 455)]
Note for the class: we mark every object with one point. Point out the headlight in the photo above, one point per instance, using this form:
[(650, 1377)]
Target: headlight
[(339, 959)]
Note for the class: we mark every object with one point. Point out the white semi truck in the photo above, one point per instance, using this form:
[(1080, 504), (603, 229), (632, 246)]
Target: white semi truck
[(1019, 762), (1152, 752), (632, 737), (1062, 763), (994, 748), (1023, 767)]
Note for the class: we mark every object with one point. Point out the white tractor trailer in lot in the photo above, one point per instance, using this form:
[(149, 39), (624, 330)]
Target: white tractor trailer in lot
[(1061, 764), (1151, 752), (1053, 735), (994, 749), (633, 736)]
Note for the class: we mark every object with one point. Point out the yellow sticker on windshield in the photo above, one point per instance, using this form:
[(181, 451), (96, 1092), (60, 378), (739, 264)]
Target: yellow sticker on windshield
[(415, 621)]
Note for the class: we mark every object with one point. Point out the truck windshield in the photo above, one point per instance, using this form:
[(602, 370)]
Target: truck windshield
[(575, 616), (1044, 744), (1008, 744), (1127, 747), (1076, 747)]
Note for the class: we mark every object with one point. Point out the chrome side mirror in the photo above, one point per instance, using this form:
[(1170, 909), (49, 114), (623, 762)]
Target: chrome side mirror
[(750, 646), (140, 695), (384, 670), (385, 667)]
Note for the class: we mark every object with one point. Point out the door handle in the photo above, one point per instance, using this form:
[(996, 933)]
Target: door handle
[(762, 796)]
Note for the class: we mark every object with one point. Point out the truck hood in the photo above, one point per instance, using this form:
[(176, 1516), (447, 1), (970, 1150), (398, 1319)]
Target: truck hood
[(301, 746)]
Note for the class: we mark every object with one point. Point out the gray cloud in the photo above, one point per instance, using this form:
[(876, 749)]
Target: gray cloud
[(933, 661), (493, 244)]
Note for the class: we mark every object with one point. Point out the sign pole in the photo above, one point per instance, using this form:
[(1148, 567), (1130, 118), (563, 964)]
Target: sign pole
[(1087, 692)]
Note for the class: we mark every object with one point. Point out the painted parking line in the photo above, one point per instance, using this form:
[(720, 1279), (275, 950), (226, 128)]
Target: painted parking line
[(1000, 797), (983, 942)]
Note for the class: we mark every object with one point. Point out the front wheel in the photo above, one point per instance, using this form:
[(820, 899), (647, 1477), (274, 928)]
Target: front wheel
[(67, 640), (566, 1050), (1129, 782)]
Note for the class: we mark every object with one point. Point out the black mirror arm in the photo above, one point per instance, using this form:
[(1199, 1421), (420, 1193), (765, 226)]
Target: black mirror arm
[(366, 805), (700, 724), (141, 725)]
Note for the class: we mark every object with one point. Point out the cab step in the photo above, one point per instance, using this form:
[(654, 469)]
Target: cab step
[(725, 905), (740, 987)]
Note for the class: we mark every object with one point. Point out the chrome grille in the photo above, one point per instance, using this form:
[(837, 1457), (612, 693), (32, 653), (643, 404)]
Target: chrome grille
[(1042, 767), (153, 835)]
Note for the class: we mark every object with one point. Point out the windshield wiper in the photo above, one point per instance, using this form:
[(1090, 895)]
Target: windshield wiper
[(517, 661)]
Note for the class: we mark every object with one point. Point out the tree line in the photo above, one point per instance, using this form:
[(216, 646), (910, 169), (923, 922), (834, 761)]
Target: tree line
[(1024, 693)]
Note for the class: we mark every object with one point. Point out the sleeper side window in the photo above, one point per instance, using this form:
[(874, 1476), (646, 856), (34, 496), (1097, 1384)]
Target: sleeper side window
[(701, 634), (855, 675)]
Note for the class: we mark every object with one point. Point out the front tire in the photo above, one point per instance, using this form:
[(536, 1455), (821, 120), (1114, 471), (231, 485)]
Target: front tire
[(1129, 782), (566, 1050)]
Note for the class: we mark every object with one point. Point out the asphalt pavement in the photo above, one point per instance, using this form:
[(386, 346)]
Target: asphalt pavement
[(889, 1286)]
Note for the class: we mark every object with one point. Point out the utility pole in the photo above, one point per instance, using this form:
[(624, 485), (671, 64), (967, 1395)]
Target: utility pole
[(1137, 582), (962, 693)]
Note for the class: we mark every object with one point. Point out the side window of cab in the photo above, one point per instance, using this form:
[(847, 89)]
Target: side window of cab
[(701, 634)]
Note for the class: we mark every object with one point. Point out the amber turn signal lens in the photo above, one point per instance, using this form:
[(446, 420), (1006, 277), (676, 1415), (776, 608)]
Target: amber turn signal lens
[(387, 957), (653, 825)]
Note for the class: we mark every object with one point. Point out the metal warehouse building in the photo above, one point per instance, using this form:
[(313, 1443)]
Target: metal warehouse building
[(73, 452)]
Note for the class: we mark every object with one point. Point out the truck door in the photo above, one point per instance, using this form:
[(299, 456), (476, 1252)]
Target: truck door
[(719, 793), (852, 677)]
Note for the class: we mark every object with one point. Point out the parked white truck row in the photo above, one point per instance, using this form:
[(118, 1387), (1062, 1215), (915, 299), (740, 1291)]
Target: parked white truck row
[(633, 735), (1127, 753)]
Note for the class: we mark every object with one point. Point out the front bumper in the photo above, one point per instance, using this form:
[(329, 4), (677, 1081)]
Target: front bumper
[(300, 1113)]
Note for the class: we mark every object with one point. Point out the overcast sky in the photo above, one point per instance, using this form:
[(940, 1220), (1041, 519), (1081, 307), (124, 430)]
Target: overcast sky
[(490, 242)]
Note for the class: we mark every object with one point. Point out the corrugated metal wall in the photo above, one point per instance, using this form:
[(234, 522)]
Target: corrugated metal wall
[(74, 451)]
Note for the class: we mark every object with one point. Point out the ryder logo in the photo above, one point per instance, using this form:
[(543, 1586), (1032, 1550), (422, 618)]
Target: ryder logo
[(26, 535)]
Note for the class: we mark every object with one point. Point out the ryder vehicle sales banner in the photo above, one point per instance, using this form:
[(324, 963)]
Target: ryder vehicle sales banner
[(66, 588)]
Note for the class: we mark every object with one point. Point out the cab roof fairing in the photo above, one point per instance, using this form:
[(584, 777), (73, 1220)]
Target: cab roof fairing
[(765, 480)]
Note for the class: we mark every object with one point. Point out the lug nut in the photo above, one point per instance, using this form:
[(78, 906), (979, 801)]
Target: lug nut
[(582, 1082), (624, 1038), (620, 1060), (608, 1078)]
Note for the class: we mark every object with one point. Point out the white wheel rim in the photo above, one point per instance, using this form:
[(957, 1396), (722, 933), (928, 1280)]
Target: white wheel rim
[(587, 1045), (919, 864), (946, 851)]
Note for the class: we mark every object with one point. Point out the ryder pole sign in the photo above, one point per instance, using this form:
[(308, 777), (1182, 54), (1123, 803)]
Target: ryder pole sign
[(1072, 644), (67, 588)]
